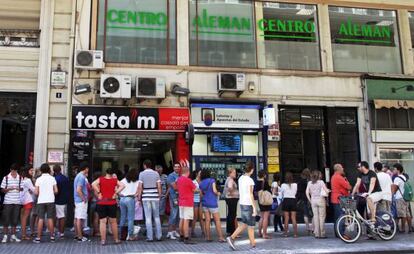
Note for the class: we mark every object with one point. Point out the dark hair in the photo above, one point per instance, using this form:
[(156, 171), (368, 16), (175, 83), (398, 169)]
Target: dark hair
[(194, 174), (314, 176), (110, 171), (262, 174), (96, 175), (249, 167), (289, 178), (45, 168), (378, 166), (15, 167), (399, 167), (306, 174), (147, 163), (132, 175), (364, 164), (24, 171), (276, 177), (205, 173), (57, 169), (83, 166)]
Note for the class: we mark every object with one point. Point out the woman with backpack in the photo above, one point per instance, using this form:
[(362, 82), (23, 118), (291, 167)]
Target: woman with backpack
[(209, 201), (263, 188)]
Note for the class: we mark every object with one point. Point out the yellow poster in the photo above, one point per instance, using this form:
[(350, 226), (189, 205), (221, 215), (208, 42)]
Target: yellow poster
[(273, 168), (273, 160)]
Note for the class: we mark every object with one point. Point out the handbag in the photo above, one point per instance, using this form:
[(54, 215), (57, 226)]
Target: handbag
[(279, 211), (265, 197), (323, 192)]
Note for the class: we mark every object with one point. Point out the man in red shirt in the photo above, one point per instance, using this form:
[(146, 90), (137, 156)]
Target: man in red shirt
[(186, 189), (340, 187)]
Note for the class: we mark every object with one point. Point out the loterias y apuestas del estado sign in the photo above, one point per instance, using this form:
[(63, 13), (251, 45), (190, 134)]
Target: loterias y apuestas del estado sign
[(208, 22), (134, 119)]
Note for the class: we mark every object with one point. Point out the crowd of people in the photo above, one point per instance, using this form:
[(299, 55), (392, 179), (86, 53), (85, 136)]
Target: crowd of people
[(149, 198)]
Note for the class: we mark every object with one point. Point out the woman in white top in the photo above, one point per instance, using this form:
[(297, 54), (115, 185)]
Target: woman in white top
[(127, 202), (26, 196), (289, 190), (316, 192)]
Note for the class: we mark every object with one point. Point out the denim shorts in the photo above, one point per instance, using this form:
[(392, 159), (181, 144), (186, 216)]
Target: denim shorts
[(196, 204), (211, 209), (247, 215)]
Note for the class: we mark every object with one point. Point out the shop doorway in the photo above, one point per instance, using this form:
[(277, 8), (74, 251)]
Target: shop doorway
[(303, 142), (17, 122), (123, 151)]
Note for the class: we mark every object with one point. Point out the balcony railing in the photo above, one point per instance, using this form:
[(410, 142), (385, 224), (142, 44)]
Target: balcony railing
[(19, 38)]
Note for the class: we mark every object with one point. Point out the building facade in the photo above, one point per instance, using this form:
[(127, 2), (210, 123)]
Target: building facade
[(282, 83)]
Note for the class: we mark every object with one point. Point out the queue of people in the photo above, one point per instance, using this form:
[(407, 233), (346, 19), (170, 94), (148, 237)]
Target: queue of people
[(190, 197)]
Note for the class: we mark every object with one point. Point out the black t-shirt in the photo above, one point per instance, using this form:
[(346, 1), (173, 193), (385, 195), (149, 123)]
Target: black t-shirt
[(366, 180), (302, 185)]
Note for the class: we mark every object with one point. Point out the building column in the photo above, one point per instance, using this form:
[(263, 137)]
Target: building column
[(405, 42), (325, 38), (183, 39), (43, 82)]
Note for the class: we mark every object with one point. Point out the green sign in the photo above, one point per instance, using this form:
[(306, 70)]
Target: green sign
[(125, 19), (351, 32), (212, 24), (289, 29)]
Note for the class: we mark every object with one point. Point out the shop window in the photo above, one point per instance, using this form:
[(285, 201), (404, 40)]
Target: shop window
[(411, 19), (405, 156), (385, 118), (141, 32), (399, 118), (288, 34), (365, 40), (222, 33)]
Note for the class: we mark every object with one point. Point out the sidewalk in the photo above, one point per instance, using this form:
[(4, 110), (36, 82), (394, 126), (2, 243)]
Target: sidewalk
[(403, 243)]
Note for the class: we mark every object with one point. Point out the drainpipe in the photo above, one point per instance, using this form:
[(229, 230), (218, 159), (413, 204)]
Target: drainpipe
[(70, 81), (367, 119)]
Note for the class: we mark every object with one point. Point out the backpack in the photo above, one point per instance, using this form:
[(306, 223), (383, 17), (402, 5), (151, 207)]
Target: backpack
[(408, 190), (265, 197)]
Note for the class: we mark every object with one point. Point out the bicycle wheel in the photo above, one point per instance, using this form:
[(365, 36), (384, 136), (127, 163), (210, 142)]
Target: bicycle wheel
[(348, 228), (386, 226)]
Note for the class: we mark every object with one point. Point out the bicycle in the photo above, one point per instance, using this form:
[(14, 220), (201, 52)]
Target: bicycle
[(349, 226)]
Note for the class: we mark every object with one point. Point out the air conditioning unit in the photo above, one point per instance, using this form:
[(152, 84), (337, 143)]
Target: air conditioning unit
[(89, 59), (115, 86), (150, 87), (231, 82)]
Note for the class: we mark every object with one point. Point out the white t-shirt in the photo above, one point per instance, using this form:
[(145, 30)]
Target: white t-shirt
[(244, 190), (28, 188), (130, 188), (45, 183), (275, 185), (385, 182), (400, 183), (289, 191)]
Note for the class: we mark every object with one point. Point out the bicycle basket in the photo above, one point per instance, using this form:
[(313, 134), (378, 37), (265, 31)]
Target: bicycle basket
[(348, 203)]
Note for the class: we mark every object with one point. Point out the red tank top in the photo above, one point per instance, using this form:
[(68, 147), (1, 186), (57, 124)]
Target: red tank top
[(107, 190)]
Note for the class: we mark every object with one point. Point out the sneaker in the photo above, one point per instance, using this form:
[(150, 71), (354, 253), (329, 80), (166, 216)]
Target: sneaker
[(36, 240), (52, 239), (136, 230), (231, 243), (176, 234), (14, 238), (4, 239), (83, 239), (170, 235)]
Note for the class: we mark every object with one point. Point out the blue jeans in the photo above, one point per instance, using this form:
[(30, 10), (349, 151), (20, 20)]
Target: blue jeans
[(338, 212), (127, 205), (174, 218), (152, 210)]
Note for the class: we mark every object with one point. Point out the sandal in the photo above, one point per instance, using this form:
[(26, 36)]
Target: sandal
[(222, 241), (267, 237), (285, 235), (103, 242), (118, 242), (26, 238)]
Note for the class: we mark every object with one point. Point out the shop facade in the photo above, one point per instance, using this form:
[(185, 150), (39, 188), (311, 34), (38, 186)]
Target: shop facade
[(390, 101)]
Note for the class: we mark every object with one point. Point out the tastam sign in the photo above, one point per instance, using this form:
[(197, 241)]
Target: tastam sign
[(133, 119)]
